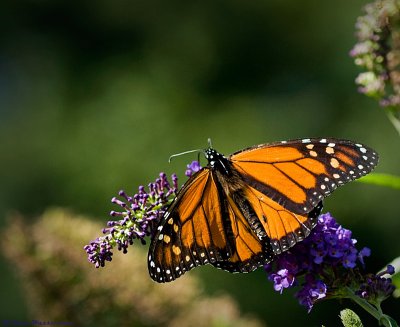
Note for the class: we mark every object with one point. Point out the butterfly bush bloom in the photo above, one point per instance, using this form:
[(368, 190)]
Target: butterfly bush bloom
[(138, 215), (378, 53), (327, 264), (377, 288)]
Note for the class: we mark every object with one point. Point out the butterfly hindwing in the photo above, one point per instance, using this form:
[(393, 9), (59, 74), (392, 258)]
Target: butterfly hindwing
[(283, 227), (264, 229)]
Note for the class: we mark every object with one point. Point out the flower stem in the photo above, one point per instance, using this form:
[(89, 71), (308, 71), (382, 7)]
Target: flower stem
[(377, 313), (394, 120)]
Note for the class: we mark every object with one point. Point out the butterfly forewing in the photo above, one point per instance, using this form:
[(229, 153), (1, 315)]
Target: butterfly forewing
[(193, 232), (298, 174)]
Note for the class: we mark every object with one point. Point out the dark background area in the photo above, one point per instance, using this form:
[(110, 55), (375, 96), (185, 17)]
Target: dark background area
[(95, 96)]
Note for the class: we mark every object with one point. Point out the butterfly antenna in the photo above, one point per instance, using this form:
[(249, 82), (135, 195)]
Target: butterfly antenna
[(185, 152), (209, 142)]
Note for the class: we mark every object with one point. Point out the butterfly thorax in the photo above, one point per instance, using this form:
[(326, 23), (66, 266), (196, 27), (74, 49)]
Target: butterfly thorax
[(222, 169)]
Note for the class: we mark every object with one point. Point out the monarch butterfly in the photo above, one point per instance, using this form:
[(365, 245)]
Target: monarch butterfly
[(240, 211)]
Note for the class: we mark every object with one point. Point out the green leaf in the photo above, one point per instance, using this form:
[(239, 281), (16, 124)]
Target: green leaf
[(396, 283), (382, 180), (388, 321), (350, 319)]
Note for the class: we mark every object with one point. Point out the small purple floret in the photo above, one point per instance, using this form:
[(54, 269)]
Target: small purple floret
[(390, 270), (192, 168), (282, 279)]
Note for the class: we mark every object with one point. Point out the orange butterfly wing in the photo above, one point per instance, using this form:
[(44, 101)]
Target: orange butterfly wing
[(191, 233), (298, 174)]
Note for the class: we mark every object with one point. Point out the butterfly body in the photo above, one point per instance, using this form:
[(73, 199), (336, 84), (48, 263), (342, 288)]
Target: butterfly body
[(240, 211)]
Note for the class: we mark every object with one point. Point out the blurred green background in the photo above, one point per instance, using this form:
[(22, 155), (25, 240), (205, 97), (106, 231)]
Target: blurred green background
[(96, 95)]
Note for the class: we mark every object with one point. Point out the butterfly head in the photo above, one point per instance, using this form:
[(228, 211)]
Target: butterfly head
[(216, 160)]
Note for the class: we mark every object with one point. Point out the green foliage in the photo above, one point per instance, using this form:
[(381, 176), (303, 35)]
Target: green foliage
[(386, 180), (350, 319)]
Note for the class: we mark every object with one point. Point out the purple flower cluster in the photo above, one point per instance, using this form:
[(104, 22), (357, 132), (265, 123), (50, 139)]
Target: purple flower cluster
[(377, 51), (317, 260), (377, 288), (331, 243), (140, 213)]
